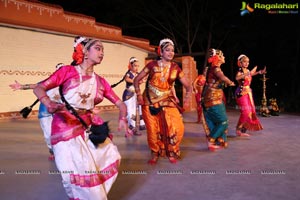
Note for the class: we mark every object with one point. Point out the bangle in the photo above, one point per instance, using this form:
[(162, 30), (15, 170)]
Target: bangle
[(43, 98), (137, 91), (26, 87), (123, 119)]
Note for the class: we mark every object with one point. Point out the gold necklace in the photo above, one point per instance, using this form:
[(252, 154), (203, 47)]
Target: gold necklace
[(162, 73), (87, 94), (88, 70)]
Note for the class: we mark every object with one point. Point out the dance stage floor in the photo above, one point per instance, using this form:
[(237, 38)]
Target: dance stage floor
[(265, 166)]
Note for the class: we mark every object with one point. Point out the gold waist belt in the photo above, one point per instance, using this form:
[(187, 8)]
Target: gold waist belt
[(158, 92)]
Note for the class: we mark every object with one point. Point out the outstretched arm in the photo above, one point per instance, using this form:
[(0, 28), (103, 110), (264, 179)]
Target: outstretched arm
[(40, 93), (254, 72), (122, 113), (123, 123), (136, 83), (188, 88), (174, 94), (194, 85), (224, 78), (19, 86)]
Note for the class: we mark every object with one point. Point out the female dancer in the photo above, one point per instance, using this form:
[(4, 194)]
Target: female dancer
[(130, 99), (44, 116), (163, 120), (215, 117), (248, 119), (88, 170)]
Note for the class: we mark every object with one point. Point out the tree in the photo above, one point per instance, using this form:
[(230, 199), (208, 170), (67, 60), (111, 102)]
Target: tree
[(175, 19)]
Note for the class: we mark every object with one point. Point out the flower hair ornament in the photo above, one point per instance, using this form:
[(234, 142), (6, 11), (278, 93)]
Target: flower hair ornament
[(78, 41), (241, 56), (166, 40), (162, 45), (131, 61), (213, 55), (78, 50), (213, 52), (240, 59)]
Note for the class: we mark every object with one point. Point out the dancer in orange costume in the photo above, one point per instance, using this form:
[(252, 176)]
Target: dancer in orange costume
[(162, 117)]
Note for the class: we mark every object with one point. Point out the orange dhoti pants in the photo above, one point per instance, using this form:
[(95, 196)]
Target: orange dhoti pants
[(164, 131)]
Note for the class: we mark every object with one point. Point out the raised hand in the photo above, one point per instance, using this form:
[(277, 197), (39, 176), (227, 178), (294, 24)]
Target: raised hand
[(140, 100), (264, 71), (253, 71), (16, 86)]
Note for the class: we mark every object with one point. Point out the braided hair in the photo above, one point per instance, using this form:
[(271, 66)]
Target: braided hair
[(131, 61), (240, 69), (120, 81)]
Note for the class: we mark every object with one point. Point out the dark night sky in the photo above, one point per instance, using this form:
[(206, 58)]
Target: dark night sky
[(270, 40)]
